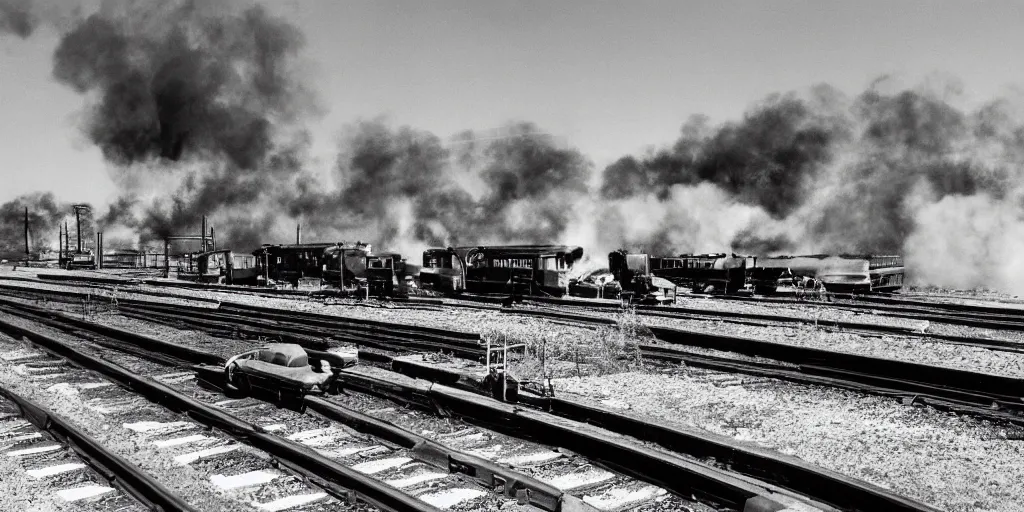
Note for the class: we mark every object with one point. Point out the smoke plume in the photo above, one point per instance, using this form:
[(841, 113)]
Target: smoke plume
[(406, 189), (907, 171), (16, 17), (197, 106)]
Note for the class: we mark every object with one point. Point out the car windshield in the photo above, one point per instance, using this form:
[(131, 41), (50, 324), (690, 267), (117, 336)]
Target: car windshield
[(284, 355)]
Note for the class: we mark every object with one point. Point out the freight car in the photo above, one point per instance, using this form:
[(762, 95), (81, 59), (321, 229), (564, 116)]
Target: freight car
[(843, 273), (517, 269)]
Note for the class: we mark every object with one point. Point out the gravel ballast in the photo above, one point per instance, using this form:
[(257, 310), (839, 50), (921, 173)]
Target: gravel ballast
[(954, 463), (191, 485)]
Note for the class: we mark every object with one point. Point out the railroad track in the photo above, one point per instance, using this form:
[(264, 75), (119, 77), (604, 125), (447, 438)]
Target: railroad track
[(681, 476), (908, 330), (772, 320), (993, 318), (429, 466), (241, 476), (57, 460), (956, 314), (981, 395)]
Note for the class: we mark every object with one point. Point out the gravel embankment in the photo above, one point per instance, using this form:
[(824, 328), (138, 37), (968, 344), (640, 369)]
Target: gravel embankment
[(954, 463)]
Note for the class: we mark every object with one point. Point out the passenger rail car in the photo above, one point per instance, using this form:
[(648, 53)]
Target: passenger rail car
[(843, 273), (519, 269)]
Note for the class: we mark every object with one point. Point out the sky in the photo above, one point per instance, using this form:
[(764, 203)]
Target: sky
[(609, 78)]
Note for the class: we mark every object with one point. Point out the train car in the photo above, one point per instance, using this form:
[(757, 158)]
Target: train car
[(442, 270), (219, 267), (633, 275), (291, 263), (520, 269), (385, 274), (595, 284), (717, 273), (842, 273), (345, 264)]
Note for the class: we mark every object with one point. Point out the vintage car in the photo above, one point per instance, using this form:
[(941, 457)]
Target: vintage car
[(282, 370)]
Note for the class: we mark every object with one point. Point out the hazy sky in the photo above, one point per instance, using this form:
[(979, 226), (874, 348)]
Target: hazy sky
[(609, 77)]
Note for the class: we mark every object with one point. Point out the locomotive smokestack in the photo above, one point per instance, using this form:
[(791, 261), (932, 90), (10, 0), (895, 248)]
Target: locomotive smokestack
[(298, 234)]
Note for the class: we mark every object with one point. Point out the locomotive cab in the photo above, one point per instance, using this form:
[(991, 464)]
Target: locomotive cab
[(385, 274)]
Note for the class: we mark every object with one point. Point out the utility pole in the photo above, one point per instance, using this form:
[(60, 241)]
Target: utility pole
[(79, 208), (27, 251), (202, 245)]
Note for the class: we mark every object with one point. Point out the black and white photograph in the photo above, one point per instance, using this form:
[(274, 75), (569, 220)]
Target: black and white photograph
[(515, 256)]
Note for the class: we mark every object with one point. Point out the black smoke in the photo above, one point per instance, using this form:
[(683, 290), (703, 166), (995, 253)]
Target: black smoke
[(402, 186), (197, 106), (763, 160), (16, 17), (911, 171), (45, 216)]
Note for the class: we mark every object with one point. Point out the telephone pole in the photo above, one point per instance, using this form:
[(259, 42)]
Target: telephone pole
[(79, 208), (28, 253)]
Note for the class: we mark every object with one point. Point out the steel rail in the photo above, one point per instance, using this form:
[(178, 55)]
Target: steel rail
[(508, 482), (172, 349), (990, 396), (118, 471), (568, 425), (682, 476), (335, 478)]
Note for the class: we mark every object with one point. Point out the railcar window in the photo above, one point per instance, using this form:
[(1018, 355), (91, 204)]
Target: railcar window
[(512, 263)]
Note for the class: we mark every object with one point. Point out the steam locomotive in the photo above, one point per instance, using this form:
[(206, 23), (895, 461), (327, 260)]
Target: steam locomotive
[(542, 270), (724, 273), (514, 269)]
